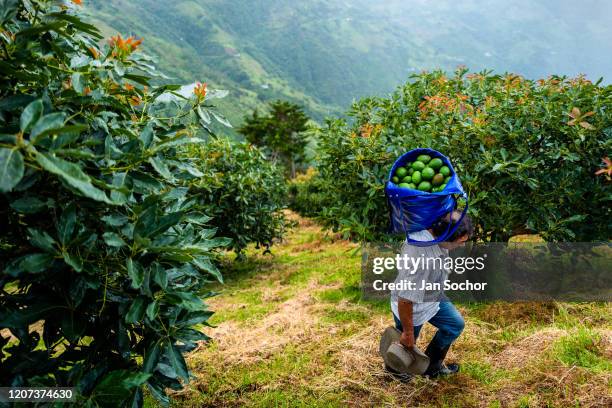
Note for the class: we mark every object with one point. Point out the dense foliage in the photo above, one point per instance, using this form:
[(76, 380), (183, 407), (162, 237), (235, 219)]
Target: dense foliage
[(243, 191), (306, 193), (104, 253), (281, 132), (526, 152)]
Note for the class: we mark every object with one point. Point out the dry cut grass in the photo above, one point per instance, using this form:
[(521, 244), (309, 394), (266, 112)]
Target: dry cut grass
[(292, 331)]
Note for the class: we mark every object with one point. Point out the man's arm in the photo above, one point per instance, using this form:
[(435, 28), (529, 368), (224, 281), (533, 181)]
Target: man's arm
[(405, 316)]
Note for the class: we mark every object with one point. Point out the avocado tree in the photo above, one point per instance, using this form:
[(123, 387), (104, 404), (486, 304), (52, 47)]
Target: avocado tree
[(105, 252), (281, 132), (529, 153), (242, 190)]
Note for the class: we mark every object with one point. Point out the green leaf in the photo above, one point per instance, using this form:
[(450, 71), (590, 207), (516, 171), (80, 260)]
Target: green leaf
[(159, 165), (158, 391), (75, 262), (113, 239), (28, 205), (177, 361), (188, 335), (42, 240), (139, 79), (115, 220), (221, 119), (116, 387), (10, 103), (146, 136), (135, 272), (36, 263), (197, 317), (159, 274), (11, 168), (177, 141), (151, 357), (163, 224), (204, 115), (66, 223), (188, 300), (152, 310), (145, 183), (77, 82), (8, 10), (33, 263), (206, 265), (76, 21), (25, 316), (200, 219), (30, 115), (136, 311), (72, 175), (47, 124)]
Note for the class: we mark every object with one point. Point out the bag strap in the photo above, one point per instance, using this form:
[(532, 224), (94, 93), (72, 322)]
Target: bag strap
[(449, 231)]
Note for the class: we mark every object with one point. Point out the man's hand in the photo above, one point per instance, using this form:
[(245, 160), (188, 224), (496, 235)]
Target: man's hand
[(407, 338), (405, 315)]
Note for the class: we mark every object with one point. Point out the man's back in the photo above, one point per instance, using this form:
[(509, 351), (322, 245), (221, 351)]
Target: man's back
[(425, 301)]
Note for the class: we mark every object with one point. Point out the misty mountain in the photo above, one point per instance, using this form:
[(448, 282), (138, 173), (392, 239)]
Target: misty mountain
[(323, 54)]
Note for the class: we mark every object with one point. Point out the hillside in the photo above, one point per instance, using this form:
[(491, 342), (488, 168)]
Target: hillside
[(323, 54)]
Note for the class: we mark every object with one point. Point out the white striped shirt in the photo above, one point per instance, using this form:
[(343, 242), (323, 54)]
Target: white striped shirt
[(422, 310)]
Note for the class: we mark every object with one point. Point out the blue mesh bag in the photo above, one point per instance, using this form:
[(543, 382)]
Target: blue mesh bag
[(414, 210)]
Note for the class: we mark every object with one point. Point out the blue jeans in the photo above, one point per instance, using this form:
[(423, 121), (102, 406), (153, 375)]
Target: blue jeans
[(449, 322)]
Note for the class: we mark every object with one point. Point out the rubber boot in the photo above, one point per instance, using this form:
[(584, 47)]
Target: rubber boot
[(436, 362)]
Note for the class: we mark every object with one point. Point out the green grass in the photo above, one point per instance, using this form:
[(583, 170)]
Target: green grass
[(482, 372), (294, 332), (333, 315), (582, 348)]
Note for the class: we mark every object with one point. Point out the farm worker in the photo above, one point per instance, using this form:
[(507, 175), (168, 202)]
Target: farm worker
[(411, 308)]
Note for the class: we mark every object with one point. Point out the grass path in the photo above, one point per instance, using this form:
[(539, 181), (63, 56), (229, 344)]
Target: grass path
[(291, 330)]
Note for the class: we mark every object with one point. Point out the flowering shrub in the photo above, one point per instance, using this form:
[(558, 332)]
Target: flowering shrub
[(105, 252), (529, 153)]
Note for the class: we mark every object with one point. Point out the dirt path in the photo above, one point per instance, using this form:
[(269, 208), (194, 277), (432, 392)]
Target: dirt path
[(291, 330)]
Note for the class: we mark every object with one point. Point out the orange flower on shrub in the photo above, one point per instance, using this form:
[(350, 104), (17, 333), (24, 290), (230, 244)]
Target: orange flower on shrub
[(123, 47), (512, 81), (475, 77), (579, 80), (200, 90), (78, 2), (443, 103), (578, 118), (490, 102), (607, 170), (489, 140), (128, 87), (135, 100), (366, 130), (441, 80), (478, 117)]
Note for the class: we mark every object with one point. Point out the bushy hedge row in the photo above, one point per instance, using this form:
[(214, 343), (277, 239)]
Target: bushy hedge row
[(526, 151), (106, 242), (242, 190)]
